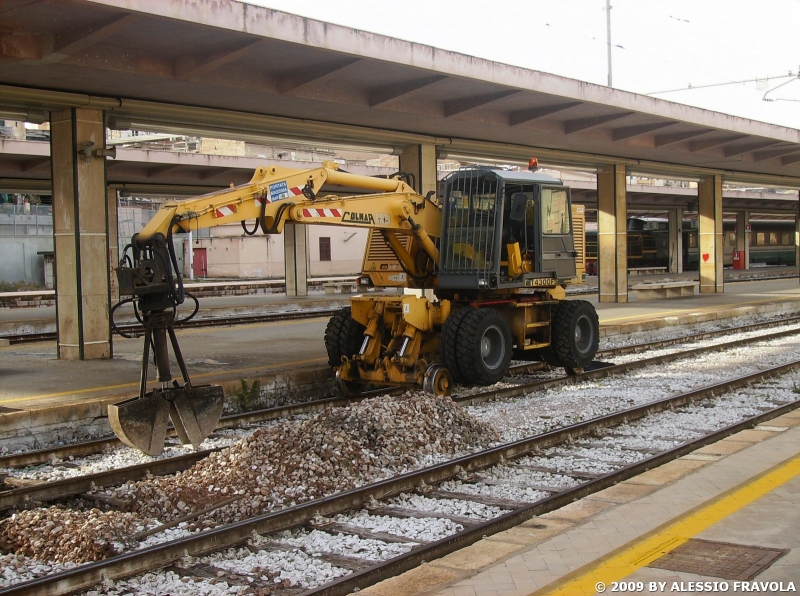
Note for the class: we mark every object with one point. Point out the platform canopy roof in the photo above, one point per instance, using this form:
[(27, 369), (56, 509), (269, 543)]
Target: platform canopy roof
[(217, 65)]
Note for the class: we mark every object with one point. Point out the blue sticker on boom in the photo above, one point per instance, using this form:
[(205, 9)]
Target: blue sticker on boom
[(278, 191)]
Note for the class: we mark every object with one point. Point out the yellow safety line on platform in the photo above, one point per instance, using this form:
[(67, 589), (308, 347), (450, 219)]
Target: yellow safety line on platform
[(200, 376), (699, 310), (624, 561)]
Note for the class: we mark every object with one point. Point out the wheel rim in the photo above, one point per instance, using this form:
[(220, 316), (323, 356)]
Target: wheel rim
[(584, 334), (493, 348)]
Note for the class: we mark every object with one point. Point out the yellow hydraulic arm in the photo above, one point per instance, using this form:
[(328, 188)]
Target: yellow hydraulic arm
[(276, 195)]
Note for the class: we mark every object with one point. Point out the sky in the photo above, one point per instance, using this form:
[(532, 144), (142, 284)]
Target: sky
[(656, 45)]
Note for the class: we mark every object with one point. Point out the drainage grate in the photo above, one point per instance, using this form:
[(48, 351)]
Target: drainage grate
[(719, 559)]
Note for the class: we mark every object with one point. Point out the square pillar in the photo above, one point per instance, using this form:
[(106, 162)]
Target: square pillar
[(612, 234), (113, 242), (676, 240), (743, 235), (80, 229), (295, 250), (709, 233), (420, 160), (797, 240)]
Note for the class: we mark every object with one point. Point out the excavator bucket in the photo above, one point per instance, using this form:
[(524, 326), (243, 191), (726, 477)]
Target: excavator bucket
[(141, 422)]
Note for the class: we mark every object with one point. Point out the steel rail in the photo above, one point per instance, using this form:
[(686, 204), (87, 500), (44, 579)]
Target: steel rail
[(157, 556), (231, 321), (76, 485)]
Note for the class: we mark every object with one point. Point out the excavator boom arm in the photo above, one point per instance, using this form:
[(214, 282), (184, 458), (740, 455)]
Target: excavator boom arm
[(276, 194)]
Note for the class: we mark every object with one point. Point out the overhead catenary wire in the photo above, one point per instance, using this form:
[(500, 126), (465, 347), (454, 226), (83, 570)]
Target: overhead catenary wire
[(755, 80)]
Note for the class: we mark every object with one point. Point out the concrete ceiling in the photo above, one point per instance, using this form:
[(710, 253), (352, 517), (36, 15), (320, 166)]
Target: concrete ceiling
[(25, 167), (234, 57)]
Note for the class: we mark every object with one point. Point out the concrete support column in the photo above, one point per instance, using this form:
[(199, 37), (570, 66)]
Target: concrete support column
[(113, 242), (420, 160), (709, 232), (743, 235), (676, 240), (80, 228), (612, 234), (797, 240), (295, 250)]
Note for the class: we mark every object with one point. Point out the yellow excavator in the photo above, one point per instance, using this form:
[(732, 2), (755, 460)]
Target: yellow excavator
[(496, 248)]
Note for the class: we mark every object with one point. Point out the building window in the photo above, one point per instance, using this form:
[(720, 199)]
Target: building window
[(324, 248)]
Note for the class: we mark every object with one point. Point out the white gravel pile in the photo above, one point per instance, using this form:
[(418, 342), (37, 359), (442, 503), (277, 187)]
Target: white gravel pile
[(512, 493), (429, 529), (471, 509), (287, 568), (278, 466), (315, 542)]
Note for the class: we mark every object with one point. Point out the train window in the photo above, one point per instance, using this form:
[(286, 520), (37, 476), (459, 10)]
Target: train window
[(692, 240), (786, 239), (773, 238), (731, 238), (760, 239)]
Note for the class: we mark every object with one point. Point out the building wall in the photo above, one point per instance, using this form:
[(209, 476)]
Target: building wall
[(19, 262), (231, 254)]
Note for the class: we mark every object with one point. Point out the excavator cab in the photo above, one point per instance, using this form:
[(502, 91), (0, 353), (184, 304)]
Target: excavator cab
[(506, 230)]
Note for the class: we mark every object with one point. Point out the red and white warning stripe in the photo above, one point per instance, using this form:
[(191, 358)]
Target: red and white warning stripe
[(226, 210), (322, 213)]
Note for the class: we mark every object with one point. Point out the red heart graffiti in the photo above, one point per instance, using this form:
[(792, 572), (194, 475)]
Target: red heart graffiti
[(705, 256)]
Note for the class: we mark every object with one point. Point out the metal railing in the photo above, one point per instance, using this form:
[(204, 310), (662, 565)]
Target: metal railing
[(26, 220)]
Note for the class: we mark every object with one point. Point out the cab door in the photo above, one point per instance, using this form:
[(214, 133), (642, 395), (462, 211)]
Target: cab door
[(555, 219)]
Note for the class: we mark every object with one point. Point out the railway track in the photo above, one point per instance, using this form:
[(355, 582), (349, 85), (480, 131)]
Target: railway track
[(228, 321), (563, 453), (91, 447)]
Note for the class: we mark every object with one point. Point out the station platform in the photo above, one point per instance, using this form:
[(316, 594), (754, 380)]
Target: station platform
[(43, 399), (656, 533)]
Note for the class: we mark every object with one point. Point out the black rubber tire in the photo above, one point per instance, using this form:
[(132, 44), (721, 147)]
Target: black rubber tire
[(343, 336), (575, 333), (484, 346), (448, 344)]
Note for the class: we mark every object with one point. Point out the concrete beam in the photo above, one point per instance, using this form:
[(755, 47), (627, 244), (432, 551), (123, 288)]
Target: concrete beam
[(420, 160), (677, 137), (467, 104), (386, 95), (70, 41), (709, 231), (300, 79), (522, 116), (573, 126), (626, 132), (190, 66), (612, 234), (80, 226)]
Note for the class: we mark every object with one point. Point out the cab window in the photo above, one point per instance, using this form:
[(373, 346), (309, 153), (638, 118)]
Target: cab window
[(555, 213)]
